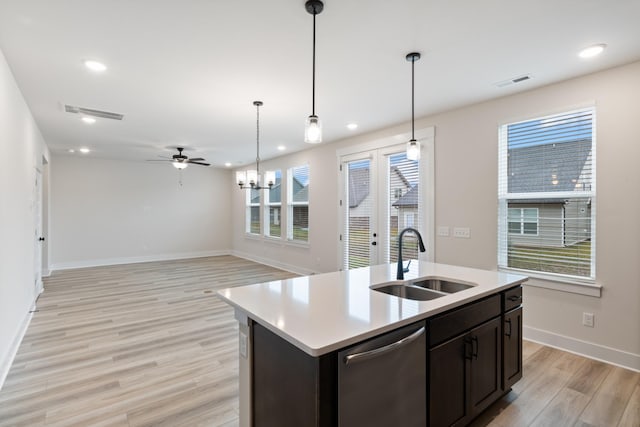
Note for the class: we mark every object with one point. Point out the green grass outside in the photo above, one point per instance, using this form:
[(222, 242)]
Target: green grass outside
[(574, 260)]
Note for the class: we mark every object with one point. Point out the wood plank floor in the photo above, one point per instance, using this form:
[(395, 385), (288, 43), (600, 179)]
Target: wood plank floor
[(150, 345)]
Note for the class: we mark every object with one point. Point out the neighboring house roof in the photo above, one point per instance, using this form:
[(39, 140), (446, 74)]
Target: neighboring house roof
[(547, 167), (300, 192), (358, 186), (409, 200)]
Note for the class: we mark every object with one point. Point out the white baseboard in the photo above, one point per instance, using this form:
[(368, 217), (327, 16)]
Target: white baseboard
[(273, 263), (7, 359), (135, 260), (583, 348)]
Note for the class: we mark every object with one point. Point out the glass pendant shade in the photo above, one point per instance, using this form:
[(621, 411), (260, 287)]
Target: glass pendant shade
[(241, 178), (252, 177), (270, 178), (180, 165), (313, 130), (413, 150)]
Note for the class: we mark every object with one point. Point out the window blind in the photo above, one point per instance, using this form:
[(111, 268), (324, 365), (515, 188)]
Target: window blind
[(546, 188), (298, 204), (358, 213)]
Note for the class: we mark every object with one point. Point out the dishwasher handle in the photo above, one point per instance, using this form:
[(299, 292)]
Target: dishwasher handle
[(351, 358)]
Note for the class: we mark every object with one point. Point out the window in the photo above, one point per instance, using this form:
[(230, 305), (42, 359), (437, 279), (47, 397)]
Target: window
[(273, 208), (253, 212), (523, 221), (298, 204), (546, 191)]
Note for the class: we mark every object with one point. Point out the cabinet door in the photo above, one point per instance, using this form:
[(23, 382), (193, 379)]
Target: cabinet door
[(512, 345), (486, 365), (449, 382)]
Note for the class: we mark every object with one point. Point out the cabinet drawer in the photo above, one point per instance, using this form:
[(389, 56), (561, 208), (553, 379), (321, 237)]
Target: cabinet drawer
[(448, 325), (512, 298)]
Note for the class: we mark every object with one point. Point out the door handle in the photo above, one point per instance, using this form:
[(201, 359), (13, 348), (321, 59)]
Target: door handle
[(41, 239), (474, 347), (374, 243), (515, 298), (468, 354), (377, 351), (508, 322)]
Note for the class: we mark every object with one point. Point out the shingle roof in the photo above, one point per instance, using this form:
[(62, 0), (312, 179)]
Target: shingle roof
[(358, 186), (410, 198), (547, 167)]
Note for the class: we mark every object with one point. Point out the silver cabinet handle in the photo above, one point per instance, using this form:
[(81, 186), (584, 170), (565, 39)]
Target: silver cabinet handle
[(377, 351)]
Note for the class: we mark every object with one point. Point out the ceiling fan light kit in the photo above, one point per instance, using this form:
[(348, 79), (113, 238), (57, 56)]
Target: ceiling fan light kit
[(413, 146), (313, 125), (250, 179)]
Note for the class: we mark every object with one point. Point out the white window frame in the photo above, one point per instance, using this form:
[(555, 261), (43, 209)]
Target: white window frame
[(267, 209), (574, 284), (248, 207), (291, 204)]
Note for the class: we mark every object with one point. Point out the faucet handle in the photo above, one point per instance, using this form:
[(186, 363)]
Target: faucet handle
[(406, 269)]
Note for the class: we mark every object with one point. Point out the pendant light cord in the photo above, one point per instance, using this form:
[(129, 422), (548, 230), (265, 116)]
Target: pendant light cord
[(413, 64), (313, 79), (258, 142)]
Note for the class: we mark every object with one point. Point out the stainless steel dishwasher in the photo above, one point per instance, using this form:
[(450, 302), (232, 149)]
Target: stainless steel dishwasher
[(383, 382)]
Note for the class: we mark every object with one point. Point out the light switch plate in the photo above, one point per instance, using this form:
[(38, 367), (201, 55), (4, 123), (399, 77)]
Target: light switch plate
[(443, 231), (463, 232)]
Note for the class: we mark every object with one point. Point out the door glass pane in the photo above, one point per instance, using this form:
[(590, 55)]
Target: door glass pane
[(359, 212), (404, 204)]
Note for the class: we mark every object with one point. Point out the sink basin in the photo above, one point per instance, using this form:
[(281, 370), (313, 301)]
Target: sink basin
[(408, 291), (441, 285)]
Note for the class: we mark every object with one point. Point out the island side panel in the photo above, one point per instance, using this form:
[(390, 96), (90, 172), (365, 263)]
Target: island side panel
[(290, 387)]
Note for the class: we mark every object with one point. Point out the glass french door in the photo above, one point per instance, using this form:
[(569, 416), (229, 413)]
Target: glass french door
[(380, 196)]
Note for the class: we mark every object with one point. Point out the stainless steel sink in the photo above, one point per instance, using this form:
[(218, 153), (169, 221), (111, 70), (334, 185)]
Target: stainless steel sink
[(441, 285), (408, 291)]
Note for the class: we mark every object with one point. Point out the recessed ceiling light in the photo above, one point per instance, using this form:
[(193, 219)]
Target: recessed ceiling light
[(592, 51), (84, 150), (352, 126), (89, 120), (96, 66), (71, 150), (228, 164), (281, 148)]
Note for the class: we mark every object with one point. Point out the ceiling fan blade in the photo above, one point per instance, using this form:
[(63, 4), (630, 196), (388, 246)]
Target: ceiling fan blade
[(158, 160), (197, 159), (198, 163)]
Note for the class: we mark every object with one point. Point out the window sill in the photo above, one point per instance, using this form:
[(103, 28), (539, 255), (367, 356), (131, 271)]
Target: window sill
[(558, 283), (299, 243)]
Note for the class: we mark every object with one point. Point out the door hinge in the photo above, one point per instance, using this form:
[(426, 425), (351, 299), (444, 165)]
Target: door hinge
[(341, 237), (340, 168), (340, 202)]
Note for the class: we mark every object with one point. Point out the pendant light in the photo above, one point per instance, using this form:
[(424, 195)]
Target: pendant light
[(313, 126), (413, 146), (250, 179)]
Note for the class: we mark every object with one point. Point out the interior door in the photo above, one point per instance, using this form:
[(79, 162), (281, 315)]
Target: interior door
[(38, 238), (381, 196)]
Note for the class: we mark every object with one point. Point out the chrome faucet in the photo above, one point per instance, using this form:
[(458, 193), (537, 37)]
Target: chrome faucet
[(401, 269)]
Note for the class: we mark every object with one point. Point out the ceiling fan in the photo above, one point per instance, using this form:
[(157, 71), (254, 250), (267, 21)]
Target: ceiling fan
[(180, 161)]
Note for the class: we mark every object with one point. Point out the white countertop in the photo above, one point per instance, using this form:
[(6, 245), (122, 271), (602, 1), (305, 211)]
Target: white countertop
[(326, 312)]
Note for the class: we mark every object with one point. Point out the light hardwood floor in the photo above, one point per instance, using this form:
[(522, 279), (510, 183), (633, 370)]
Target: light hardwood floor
[(150, 345)]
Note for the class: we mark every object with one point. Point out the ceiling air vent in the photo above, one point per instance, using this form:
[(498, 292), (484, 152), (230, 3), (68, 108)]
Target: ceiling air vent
[(91, 112), (513, 80)]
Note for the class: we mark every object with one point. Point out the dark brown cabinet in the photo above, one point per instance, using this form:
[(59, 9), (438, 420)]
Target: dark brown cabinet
[(465, 371), (512, 345)]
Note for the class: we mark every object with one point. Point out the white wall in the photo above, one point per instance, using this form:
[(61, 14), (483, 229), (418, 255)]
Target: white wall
[(110, 212), (22, 148), (466, 147)]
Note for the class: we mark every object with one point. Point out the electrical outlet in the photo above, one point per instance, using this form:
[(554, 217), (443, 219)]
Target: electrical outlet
[(587, 319), (443, 231), (243, 344), (462, 232)]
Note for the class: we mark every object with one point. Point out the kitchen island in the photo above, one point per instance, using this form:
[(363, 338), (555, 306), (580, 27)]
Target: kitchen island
[(297, 334)]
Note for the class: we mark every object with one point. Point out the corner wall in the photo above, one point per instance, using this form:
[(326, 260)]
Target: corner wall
[(115, 212), (466, 158), (23, 149)]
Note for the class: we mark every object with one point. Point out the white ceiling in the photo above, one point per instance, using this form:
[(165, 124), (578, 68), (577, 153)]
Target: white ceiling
[(186, 72)]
